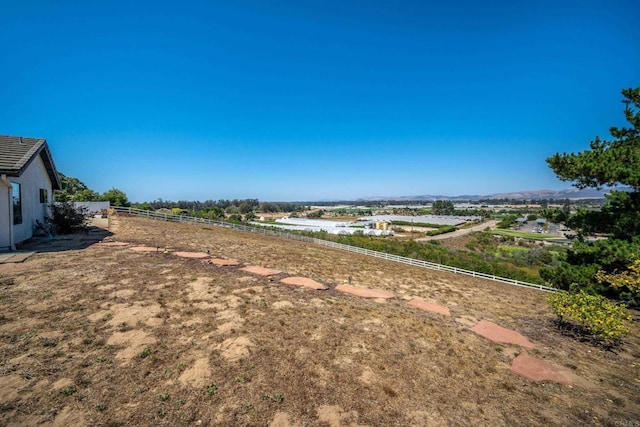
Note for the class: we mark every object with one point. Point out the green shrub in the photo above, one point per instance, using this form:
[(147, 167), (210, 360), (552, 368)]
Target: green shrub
[(235, 218), (442, 230), (604, 319), (67, 218)]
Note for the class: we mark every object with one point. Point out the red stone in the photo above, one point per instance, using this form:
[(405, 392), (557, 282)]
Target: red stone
[(303, 281), (191, 254), (364, 292), (496, 333), (540, 370), (261, 270), (432, 307), (146, 249)]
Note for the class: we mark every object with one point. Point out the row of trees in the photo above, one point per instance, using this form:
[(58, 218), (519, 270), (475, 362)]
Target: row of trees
[(239, 206), (74, 190), (593, 266)]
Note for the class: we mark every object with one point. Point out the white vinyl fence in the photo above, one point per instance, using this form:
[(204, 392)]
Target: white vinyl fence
[(355, 249)]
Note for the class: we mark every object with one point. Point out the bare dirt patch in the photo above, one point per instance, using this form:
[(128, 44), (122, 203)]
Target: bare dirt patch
[(197, 375), (195, 344), (134, 343)]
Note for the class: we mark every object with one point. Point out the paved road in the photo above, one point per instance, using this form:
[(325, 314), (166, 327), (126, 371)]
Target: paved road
[(461, 232)]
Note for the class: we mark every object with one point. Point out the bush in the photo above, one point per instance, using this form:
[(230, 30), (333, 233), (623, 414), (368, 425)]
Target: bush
[(594, 315), (627, 282), (67, 218), (585, 259), (235, 218), (315, 214), (507, 221), (442, 230)]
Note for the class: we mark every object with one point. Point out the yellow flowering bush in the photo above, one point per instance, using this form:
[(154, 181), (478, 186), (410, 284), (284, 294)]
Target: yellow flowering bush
[(629, 278), (600, 317)]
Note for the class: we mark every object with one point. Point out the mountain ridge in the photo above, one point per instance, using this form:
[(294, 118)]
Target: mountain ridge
[(570, 193)]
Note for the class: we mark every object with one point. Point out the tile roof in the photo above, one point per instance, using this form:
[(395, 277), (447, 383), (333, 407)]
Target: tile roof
[(16, 153)]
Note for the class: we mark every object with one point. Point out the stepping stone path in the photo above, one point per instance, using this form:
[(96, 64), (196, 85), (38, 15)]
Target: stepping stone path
[(262, 271), (529, 367), (364, 292), (496, 333), (539, 370), (222, 262), (303, 281), (192, 254), (431, 307)]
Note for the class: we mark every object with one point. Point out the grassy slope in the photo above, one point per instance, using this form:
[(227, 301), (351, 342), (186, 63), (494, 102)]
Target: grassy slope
[(522, 234), (329, 355)]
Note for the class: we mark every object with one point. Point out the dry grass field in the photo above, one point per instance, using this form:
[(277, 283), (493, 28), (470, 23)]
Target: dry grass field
[(107, 336)]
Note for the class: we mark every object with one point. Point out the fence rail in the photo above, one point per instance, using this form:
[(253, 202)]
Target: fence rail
[(349, 248)]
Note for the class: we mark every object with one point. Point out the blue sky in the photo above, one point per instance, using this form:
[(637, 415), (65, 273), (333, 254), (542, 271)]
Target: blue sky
[(291, 100)]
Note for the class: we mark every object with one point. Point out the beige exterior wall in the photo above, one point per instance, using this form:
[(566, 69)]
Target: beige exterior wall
[(31, 181), (5, 219)]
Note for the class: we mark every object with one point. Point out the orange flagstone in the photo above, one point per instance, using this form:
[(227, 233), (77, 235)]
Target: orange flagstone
[(432, 307), (539, 370), (364, 292), (304, 281), (113, 244), (192, 254), (146, 249), (496, 333), (262, 271)]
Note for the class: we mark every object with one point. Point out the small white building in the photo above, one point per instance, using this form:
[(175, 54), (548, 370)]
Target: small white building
[(28, 178)]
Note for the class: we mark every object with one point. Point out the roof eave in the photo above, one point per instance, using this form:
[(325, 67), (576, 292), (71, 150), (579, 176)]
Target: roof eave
[(47, 159)]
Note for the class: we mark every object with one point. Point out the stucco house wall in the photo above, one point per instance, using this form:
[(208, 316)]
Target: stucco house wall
[(34, 178), (25, 164), (5, 217)]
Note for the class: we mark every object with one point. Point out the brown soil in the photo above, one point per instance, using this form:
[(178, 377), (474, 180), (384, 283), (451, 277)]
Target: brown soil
[(109, 336)]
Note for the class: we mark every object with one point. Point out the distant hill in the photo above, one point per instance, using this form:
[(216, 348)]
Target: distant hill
[(571, 193)]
